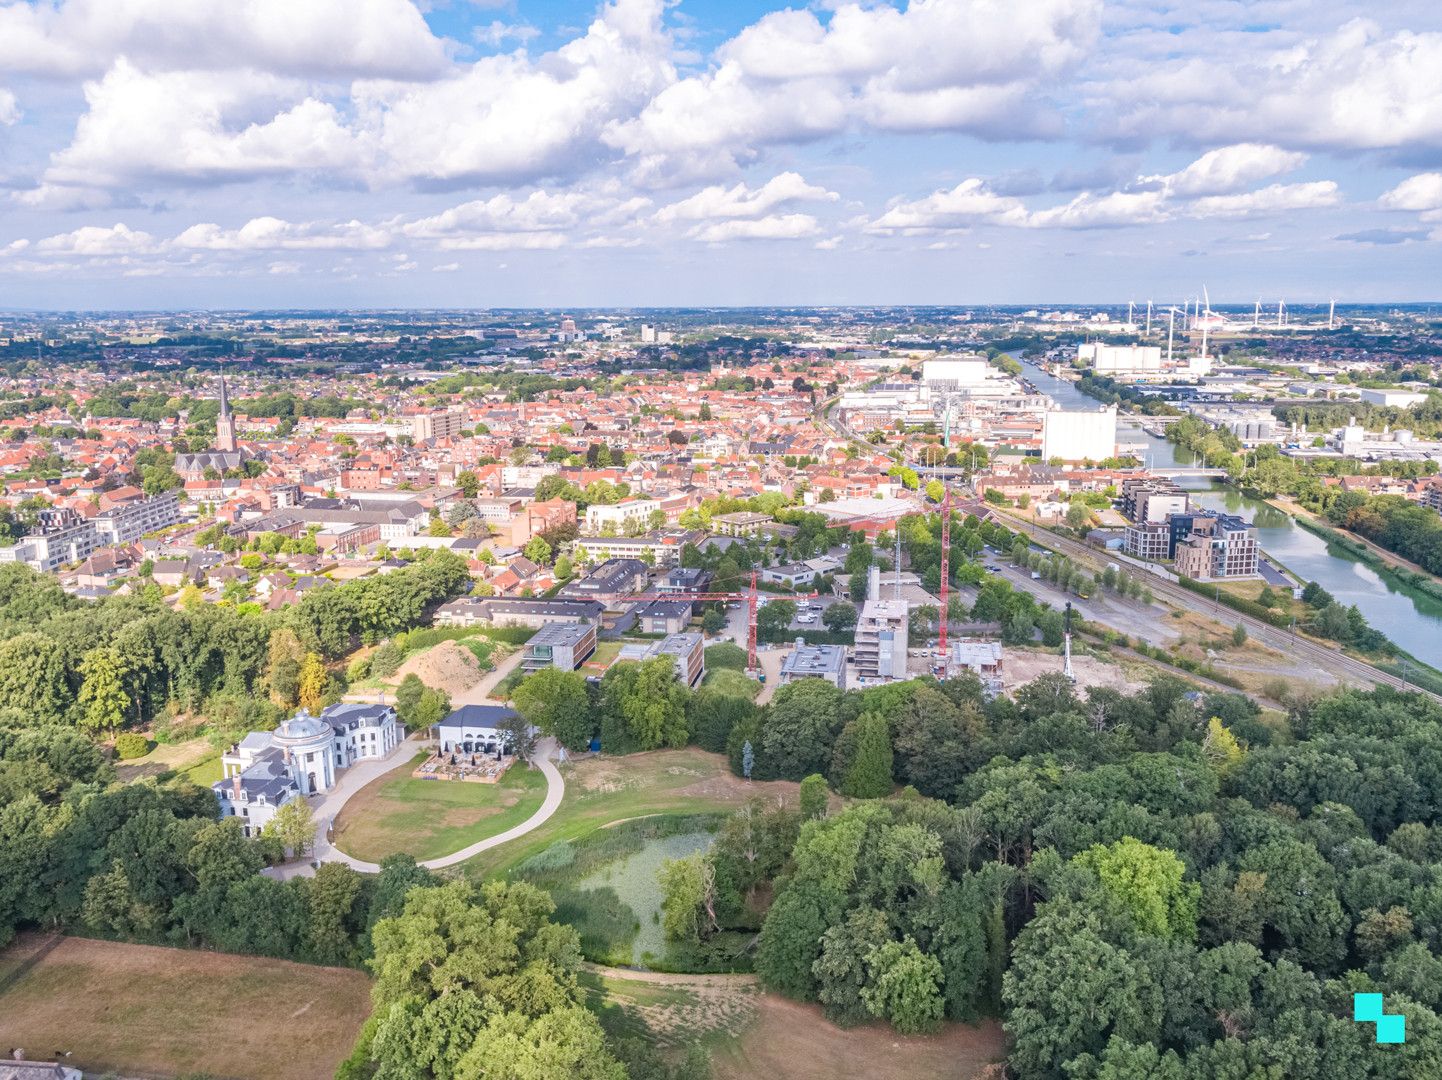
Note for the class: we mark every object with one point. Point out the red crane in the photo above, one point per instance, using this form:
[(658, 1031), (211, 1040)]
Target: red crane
[(751, 605), (945, 572)]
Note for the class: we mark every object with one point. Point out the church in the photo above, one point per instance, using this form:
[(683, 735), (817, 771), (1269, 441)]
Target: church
[(227, 454)]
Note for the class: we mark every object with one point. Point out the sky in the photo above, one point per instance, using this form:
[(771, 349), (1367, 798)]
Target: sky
[(164, 154)]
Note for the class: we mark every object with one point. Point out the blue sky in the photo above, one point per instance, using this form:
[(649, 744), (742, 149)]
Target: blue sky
[(224, 153)]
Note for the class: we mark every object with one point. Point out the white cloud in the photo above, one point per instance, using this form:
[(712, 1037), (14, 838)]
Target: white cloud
[(1270, 199), (1230, 169), (742, 201), (1358, 87), (283, 268), (970, 65), (195, 126), (499, 32), (9, 108), (774, 227), (969, 203), (118, 239), (1420, 192), (446, 268), (274, 234), (1112, 210), (314, 39), (831, 243)]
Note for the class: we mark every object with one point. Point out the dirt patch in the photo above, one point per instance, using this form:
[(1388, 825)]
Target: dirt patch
[(1024, 665), (449, 668), (141, 1010)]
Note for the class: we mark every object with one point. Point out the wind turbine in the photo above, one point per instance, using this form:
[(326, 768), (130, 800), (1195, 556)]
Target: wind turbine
[(1257, 314), (1131, 307), (1281, 308), (1331, 313), (1149, 318), (1171, 325)]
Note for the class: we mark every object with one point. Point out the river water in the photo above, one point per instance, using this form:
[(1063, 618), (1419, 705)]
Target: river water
[(1411, 619)]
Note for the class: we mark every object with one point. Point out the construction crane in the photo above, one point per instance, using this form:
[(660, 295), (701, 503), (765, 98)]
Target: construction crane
[(945, 571), (749, 597)]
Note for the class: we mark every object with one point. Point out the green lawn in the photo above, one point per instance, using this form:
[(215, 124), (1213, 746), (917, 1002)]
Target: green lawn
[(431, 818), (604, 789)]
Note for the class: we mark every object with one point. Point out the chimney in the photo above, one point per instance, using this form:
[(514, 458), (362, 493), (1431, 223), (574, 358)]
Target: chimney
[(873, 582), (235, 786)]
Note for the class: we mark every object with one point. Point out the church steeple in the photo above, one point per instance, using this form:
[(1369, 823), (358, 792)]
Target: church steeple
[(224, 423)]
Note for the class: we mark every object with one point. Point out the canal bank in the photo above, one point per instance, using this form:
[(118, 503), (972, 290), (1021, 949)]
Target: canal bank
[(1409, 617)]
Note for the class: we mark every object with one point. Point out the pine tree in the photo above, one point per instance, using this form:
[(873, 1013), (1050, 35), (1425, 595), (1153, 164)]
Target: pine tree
[(869, 774)]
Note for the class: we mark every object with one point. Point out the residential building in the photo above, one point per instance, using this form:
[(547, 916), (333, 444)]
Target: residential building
[(437, 424), (609, 583), (635, 513), (881, 630), (131, 520), (658, 549), (815, 662), (60, 537), (1148, 498), (563, 645), (742, 523), (789, 575), (687, 650), (1150, 540), (1217, 546), (498, 611), (663, 616)]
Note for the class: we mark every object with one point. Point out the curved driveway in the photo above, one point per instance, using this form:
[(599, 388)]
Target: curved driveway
[(361, 774)]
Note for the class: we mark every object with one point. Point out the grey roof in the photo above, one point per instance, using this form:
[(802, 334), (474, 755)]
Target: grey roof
[(491, 716)]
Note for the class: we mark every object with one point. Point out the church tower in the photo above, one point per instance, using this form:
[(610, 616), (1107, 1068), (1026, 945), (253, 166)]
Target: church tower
[(224, 423)]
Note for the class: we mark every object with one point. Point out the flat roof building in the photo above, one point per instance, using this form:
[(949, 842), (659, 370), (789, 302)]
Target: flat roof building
[(815, 662)]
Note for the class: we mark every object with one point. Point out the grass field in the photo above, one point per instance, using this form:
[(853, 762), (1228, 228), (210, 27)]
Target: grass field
[(601, 790), (184, 757), (431, 818), (143, 1011), (751, 1033)]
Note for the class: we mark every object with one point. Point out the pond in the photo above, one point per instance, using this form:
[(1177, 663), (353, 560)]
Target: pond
[(634, 880)]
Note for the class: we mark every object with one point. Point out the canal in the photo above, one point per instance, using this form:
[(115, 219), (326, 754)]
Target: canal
[(1413, 620)]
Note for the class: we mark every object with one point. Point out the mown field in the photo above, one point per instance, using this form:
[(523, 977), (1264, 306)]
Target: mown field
[(144, 1011), (603, 790), (431, 818)]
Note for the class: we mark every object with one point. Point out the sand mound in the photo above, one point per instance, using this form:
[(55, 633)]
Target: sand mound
[(449, 668)]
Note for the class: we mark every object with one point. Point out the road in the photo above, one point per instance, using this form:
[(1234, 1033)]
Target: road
[(1284, 641)]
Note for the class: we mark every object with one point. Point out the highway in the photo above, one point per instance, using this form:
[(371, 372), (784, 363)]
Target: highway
[(1284, 641)]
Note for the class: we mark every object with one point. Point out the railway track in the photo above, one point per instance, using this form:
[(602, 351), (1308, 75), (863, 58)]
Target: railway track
[(1332, 660)]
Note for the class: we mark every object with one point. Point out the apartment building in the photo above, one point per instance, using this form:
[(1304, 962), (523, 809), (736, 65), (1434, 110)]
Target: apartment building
[(437, 424), (502, 611), (633, 512), (563, 645), (129, 521), (687, 650), (60, 537), (1217, 546)]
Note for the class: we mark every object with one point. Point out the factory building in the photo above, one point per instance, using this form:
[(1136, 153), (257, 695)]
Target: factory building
[(1085, 435)]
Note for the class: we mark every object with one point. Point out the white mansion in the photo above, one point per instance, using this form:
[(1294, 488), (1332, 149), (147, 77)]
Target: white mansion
[(301, 757)]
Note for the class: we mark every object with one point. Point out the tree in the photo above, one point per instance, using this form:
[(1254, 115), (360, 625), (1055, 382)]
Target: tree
[(1148, 881), (469, 483), (564, 570), (102, 694), (773, 620), (538, 551), (904, 987), (814, 796), (294, 826), (643, 706), (559, 703), (311, 683), (713, 621), (408, 696), (840, 617), (868, 775), (688, 898), (799, 729)]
